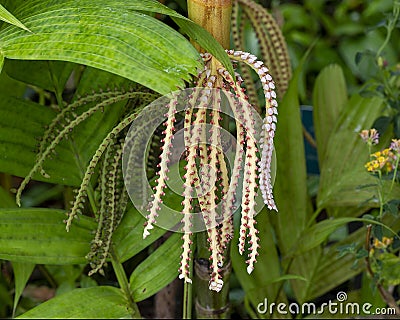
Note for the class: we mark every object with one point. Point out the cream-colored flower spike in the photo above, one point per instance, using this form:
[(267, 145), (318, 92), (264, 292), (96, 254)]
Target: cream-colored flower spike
[(207, 182), (269, 122), (162, 173)]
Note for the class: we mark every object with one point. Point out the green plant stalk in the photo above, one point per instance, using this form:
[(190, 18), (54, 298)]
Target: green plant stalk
[(123, 283), (391, 25), (210, 304), (380, 196), (394, 173), (215, 17), (188, 294)]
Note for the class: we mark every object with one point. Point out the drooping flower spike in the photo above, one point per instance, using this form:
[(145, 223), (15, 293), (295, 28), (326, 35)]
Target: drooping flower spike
[(207, 182)]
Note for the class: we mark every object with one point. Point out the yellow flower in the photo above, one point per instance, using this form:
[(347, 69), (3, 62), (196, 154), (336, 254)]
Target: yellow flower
[(382, 244), (383, 161)]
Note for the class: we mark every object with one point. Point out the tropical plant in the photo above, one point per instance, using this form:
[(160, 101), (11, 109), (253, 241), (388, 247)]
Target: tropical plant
[(105, 189), (85, 84)]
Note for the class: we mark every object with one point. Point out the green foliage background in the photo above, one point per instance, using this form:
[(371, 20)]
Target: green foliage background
[(109, 44)]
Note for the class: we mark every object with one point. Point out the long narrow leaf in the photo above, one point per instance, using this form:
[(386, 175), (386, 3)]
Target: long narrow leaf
[(128, 238), (93, 303), (344, 173), (22, 272), (290, 187), (21, 123), (329, 98), (291, 174), (6, 16), (39, 236), (162, 265), (319, 232)]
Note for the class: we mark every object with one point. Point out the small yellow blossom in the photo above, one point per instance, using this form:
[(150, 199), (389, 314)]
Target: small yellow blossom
[(383, 161), (382, 244)]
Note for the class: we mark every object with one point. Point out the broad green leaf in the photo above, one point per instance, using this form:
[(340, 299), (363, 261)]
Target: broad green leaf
[(39, 236), (128, 238), (105, 36), (9, 18), (305, 265), (21, 123), (318, 233), (96, 302), (34, 197), (343, 173), (22, 272), (291, 183), (329, 98), (388, 268), (87, 282), (332, 269), (188, 27), (371, 41), (289, 277), (291, 177), (48, 75), (158, 270), (10, 85)]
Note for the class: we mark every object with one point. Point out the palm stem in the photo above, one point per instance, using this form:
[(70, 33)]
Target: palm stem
[(210, 304), (214, 16)]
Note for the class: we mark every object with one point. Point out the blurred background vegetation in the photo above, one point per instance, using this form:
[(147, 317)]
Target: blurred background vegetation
[(345, 33)]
